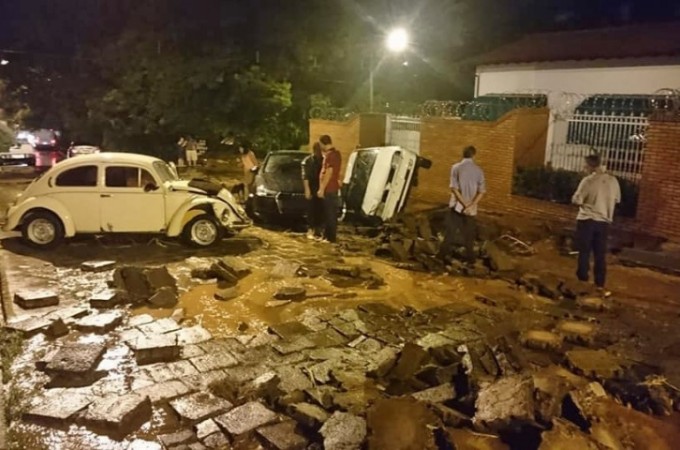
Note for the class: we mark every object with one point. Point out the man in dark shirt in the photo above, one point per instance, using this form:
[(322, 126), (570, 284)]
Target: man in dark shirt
[(329, 185), (311, 173)]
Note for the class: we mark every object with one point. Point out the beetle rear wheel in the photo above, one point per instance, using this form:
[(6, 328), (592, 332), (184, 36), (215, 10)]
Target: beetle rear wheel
[(42, 230)]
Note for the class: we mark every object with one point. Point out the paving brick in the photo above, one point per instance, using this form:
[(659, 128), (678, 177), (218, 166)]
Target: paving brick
[(100, 323), (38, 298), (58, 409), (246, 418), (120, 413), (200, 406), (153, 349), (283, 436), (210, 362)]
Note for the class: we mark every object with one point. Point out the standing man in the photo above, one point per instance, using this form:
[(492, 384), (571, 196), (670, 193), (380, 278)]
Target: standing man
[(467, 189), (191, 152), (597, 196), (311, 173), (329, 185)]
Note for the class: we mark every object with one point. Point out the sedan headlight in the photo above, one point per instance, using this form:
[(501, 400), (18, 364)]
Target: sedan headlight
[(262, 191)]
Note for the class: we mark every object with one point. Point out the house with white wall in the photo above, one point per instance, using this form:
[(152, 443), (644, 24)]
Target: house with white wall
[(601, 86)]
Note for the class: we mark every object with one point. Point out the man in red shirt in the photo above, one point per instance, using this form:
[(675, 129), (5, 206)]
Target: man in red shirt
[(329, 185)]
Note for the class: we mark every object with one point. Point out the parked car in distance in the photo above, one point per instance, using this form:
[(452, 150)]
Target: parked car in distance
[(278, 191), (378, 181), (81, 149), (122, 193)]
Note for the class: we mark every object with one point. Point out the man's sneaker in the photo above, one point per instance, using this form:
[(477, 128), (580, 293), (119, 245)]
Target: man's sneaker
[(602, 292)]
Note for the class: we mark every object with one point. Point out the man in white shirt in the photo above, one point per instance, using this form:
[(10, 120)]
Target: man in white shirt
[(597, 196)]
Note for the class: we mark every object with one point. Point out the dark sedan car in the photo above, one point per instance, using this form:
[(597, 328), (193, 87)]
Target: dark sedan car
[(278, 192)]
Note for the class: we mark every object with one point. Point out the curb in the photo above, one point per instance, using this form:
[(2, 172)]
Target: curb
[(4, 294)]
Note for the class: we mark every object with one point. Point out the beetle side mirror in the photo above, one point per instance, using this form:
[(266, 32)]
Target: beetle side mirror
[(255, 170), (150, 187)]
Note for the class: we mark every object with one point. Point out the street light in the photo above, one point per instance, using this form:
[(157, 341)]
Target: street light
[(3, 62), (396, 41)]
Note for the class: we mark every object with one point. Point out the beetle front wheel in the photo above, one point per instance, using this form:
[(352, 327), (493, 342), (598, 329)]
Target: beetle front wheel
[(202, 231)]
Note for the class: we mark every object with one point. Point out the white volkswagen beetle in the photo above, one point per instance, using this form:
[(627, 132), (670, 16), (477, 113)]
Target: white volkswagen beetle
[(122, 193)]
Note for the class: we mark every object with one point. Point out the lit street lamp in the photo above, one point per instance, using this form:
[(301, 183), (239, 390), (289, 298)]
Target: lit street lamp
[(3, 62), (396, 41)]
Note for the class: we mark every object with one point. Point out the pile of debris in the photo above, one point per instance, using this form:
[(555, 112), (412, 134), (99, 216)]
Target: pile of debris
[(227, 271)]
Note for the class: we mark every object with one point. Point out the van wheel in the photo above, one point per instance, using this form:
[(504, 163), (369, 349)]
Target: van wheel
[(42, 230), (202, 231)]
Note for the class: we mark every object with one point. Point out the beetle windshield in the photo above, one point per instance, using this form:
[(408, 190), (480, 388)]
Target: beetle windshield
[(164, 171)]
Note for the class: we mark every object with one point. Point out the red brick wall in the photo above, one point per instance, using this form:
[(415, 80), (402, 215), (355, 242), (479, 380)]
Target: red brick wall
[(658, 210)]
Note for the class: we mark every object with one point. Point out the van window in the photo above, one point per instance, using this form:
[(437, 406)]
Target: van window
[(79, 176)]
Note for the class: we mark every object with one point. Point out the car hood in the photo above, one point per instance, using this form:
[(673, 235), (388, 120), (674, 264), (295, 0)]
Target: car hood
[(282, 183)]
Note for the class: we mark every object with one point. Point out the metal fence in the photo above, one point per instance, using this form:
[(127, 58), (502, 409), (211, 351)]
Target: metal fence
[(620, 140)]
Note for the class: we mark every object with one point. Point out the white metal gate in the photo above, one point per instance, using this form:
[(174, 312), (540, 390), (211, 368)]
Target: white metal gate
[(620, 140), (404, 132)]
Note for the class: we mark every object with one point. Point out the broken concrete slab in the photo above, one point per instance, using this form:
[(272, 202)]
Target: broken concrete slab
[(504, 401), (30, 326), (498, 260), (100, 323), (284, 269), (97, 266), (291, 293), (321, 395), (224, 274), (160, 326), (211, 362), (228, 293), (165, 391), (246, 418), (165, 297), (217, 441), (598, 364), (343, 431), (39, 298), (435, 375), (594, 304), (411, 359), (206, 428), (200, 406), (469, 440), (154, 349), (57, 328), (451, 417), (383, 362), (292, 379), (176, 440), (581, 333), (237, 266), (345, 271), (107, 299), (294, 346), (541, 340), (289, 330), (283, 436), (192, 335), (120, 414), (438, 394), (75, 364), (311, 416), (142, 319), (566, 436), (58, 409)]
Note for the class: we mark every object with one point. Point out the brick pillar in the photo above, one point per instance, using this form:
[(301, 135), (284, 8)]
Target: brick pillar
[(658, 211)]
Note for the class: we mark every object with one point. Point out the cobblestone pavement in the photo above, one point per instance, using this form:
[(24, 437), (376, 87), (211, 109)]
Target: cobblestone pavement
[(318, 346)]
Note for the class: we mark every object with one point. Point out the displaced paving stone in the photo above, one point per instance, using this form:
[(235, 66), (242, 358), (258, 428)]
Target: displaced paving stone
[(192, 335), (309, 415), (283, 436), (438, 394), (451, 417), (345, 271), (206, 428), (369, 346), (435, 375), (246, 418), (122, 414), (581, 333), (284, 269), (211, 362), (57, 328), (154, 349), (165, 297), (74, 364), (322, 395), (379, 309), (100, 323), (228, 293), (411, 359), (161, 326), (217, 441), (141, 444), (178, 315), (139, 320), (165, 391), (30, 327), (292, 379), (200, 406), (327, 338), (236, 265), (466, 439), (289, 330), (295, 346), (277, 303), (105, 299), (383, 361), (182, 369), (97, 266), (349, 379), (36, 299), (415, 430), (507, 399), (598, 364), (58, 409), (224, 274), (174, 440), (434, 340), (291, 293), (343, 431), (541, 340), (160, 277), (203, 273)]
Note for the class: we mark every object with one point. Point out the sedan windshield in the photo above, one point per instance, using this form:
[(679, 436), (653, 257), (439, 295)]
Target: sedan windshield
[(284, 163), (165, 173)]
